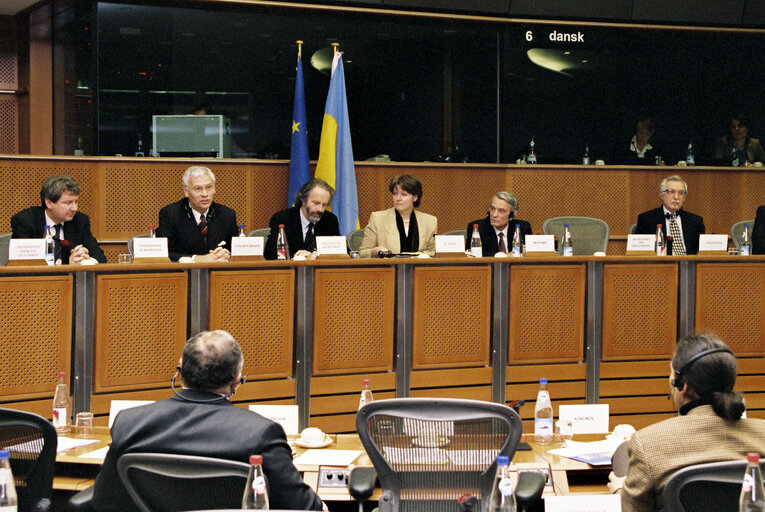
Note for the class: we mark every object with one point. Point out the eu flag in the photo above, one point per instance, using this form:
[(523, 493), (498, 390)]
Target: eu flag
[(299, 167)]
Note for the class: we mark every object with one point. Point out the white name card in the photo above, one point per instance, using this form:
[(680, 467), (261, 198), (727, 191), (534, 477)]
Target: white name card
[(540, 243), (713, 243), (26, 249), (331, 245), (150, 247), (284, 415), (450, 243), (584, 503), (641, 243), (586, 418), (247, 246)]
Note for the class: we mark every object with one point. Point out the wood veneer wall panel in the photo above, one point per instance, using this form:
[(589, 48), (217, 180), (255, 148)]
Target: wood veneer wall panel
[(140, 329), (353, 320), (335, 398), (639, 311), (37, 334), (257, 308), (546, 313), (9, 123), (451, 317), (636, 391)]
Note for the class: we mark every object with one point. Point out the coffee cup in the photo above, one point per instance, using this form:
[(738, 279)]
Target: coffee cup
[(312, 435)]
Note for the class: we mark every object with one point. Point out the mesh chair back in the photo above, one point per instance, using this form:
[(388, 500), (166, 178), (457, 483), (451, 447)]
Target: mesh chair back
[(428, 452), (633, 229), (588, 235), (264, 232), (737, 229), (31, 441), (130, 243), (5, 240), (712, 487), (159, 482), (355, 238)]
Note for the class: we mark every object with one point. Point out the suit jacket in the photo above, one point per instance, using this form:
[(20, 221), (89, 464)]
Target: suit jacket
[(217, 429), (293, 228), (657, 451), (381, 231), (489, 242), (693, 226), (178, 224), (758, 232), (30, 223)]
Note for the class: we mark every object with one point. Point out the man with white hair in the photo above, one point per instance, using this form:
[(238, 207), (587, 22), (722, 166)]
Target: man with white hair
[(498, 227)]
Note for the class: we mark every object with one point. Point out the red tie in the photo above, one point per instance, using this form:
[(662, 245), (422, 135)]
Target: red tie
[(203, 228)]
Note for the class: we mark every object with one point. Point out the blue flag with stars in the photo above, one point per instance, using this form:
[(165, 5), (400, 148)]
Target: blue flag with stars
[(299, 168)]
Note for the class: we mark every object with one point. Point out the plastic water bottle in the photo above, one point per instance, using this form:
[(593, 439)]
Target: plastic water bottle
[(152, 232), (62, 406), (586, 156), (660, 247), (568, 249), (139, 151), (517, 246), (255, 492), (282, 248), (8, 500), (475, 243), (241, 230), (532, 158), (50, 246), (502, 491), (543, 415), (689, 158), (366, 393), (752, 493), (746, 242)]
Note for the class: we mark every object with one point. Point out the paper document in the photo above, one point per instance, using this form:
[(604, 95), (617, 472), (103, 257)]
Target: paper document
[(99, 454), (327, 457), (597, 453)]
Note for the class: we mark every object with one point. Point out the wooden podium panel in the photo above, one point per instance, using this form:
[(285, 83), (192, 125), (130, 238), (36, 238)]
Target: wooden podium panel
[(354, 320), (639, 311), (451, 324), (37, 334), (636, 391), (546, 313), (257, 308), (140, 329), (730, 302)]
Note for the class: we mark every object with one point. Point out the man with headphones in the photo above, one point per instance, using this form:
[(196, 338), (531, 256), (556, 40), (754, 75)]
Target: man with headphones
[(497, 228), (709, 427), (200, 420)]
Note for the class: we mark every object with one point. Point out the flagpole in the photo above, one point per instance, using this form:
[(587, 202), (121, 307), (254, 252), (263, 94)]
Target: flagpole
[(335, 48), (300, 47)]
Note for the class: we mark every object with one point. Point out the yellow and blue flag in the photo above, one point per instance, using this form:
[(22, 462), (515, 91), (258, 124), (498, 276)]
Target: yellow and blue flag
[(335, 165), (300, 171)]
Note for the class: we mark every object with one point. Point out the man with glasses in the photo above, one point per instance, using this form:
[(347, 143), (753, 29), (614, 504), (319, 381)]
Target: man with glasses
[(684, 227)]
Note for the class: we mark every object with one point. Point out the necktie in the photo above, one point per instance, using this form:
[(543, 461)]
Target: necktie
[(310, 239), (678, 247), (57, 243), (203, 228), (502, 246)]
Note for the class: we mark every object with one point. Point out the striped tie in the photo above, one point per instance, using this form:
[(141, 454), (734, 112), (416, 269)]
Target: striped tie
[(678, 247), (203, 228)]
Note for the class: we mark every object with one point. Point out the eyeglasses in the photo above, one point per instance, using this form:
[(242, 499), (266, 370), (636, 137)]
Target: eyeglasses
[(673, 192)]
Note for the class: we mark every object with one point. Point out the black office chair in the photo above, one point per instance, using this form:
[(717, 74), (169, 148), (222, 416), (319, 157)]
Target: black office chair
[(712, 487), (427, 452), (31, 441), (160, 482)]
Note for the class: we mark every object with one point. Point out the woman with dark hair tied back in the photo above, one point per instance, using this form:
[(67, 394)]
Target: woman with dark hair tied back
[(739, 148), (709, 427)]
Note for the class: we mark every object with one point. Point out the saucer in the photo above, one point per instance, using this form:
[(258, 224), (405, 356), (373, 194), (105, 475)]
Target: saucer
[(305, 444)]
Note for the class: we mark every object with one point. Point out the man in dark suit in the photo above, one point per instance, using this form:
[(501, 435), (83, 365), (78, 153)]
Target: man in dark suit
[(200, 420), (758, 232), (196, 227), (499, 224), (75, 243), (304, 221), (673, 219)]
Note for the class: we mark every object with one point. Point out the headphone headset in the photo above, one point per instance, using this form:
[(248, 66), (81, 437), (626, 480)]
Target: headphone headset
[(209, 400), (678, 381)]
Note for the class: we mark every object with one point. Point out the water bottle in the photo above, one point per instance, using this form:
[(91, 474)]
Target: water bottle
[(746, 242), (475, 243), (517, 246), (586, 157), (139, 151), (255, 492), (532, 158), (690, 160), (241, 230), (502, 492), (660, 247), (152, 232), (752, 493), (568, 249), (62, 406), (366, 393), (282, 248), (78, 151), (8, 499), (50, 246), (543, 415)]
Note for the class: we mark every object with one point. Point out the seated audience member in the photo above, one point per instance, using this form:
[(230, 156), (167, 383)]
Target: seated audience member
[(401, 228), (709, 427), (640, 151), (74, 242), (195, 226), (306, 220), (758, 232), (739, 148), (498, 227), (684, 227), (200, 420)]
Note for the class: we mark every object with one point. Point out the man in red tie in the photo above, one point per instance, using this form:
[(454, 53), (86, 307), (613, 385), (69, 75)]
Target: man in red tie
[(498, 225)]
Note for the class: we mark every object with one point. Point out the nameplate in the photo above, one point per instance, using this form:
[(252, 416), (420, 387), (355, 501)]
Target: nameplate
[(284, 415), (247, 246), (332, 245), (540, 243), (450, 245), (149, 248), (714, 243), (586, 418), (26, 249), (641, 243), (584, 503)]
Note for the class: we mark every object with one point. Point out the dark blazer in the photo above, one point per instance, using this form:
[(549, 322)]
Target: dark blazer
[(30, 223), (217, 429), (489, 243), (758, 232), (177, 223), (693, 226), (327, 226)]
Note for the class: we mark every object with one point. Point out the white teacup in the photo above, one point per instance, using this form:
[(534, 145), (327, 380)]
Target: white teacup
[(312, 435)]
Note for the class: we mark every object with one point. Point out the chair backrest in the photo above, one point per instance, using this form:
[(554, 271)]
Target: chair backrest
[(355, 238), (737, 229), (714, 486), (5, 240), (633, 229), (168, 482), (264, 232), (453, 445), (31, 441), (130, 243), (588, 235), (462, 232)]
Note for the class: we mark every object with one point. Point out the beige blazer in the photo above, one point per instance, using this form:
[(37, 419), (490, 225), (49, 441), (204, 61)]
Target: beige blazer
[(381, 231)]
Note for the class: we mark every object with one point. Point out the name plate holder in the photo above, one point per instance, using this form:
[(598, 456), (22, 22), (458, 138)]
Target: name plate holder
[(713, 245), (540, 246), (450, 246), (331, 248), (150, 250), (247, 248), (25, 252), (641, 245)]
